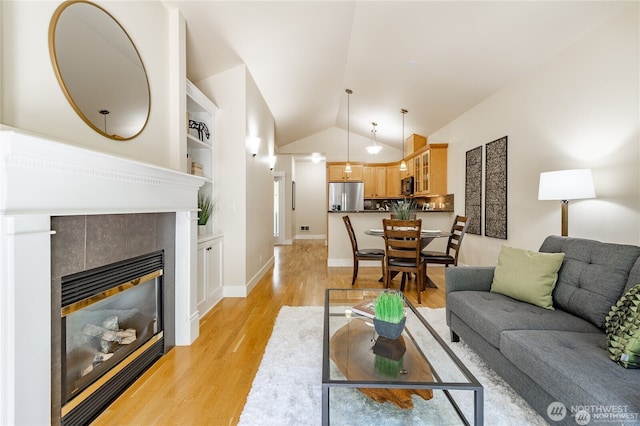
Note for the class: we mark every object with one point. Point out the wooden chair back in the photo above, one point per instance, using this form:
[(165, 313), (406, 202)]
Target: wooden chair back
[(458, 230), (402, 238), (352, 235)]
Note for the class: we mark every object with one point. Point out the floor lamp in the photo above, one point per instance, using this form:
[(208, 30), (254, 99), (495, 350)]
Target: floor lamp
[(566, 185)]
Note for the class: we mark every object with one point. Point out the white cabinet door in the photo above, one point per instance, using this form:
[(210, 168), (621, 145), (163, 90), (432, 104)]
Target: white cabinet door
[(209, 274)]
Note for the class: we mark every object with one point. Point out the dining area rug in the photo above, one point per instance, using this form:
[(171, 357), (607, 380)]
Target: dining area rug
[(287, 389)]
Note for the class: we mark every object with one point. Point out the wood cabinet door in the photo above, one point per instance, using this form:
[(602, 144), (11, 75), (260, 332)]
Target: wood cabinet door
[(370, 187), (381, 181), (336, 173), (357, 173), (393, 181)]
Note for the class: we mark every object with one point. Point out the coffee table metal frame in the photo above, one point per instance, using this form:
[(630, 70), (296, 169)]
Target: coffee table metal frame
[(472, 383)]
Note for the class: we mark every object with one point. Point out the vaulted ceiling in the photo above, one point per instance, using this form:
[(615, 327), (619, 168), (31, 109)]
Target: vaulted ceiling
[(437, 59)]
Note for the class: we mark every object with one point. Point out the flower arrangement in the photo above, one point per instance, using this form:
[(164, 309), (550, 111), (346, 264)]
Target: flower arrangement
[(206, 207)]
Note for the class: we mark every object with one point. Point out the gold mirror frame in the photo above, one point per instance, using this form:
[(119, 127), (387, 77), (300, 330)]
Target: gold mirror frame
[(114, 95)]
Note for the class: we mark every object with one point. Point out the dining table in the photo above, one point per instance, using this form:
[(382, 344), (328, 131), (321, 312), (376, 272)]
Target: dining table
[(426, 236)]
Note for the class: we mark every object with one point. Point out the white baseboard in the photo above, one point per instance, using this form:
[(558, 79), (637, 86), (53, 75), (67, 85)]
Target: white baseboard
[(310, 237)]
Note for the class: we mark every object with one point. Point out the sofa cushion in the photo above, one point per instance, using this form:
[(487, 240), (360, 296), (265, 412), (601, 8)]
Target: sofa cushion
[(527, 275), (573, 367), (489, 314), (623, 329), (592, 277)]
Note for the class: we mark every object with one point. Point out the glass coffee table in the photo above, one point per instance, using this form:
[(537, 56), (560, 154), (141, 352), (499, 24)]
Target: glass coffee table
[(367, 379)]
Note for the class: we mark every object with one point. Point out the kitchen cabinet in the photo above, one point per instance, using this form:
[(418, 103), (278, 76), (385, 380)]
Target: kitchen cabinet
[(409, 171), (430, 168), (210, 276), (413, 144), (393, 181), (375, 181), (336, 172)]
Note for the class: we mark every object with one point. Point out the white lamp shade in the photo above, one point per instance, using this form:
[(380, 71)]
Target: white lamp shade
[(566, 185), (373, 149)]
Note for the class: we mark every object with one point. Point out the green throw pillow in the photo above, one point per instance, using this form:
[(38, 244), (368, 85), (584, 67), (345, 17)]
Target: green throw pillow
[(528, 276), (622, 326)]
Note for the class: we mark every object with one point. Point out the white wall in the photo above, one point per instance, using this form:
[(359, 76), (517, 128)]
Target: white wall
[(244, 195), (580, 110), (259, 188), (31, 98), (227, 90), (311, 204)]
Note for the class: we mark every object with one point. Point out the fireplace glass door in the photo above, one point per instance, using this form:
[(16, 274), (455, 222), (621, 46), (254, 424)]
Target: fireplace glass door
[(101, 331)]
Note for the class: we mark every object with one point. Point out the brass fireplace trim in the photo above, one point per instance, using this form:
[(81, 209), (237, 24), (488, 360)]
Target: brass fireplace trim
[(82, 396), (81, 304)]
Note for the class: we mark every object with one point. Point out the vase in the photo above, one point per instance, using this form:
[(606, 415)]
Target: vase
[(202, 229), (388, 329)]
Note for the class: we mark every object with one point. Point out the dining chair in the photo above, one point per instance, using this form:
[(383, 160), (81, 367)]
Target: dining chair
[(361, 254), (402, 249), (454, 244)]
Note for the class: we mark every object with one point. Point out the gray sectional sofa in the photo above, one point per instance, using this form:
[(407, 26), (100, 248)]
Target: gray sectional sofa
[(560, 355)]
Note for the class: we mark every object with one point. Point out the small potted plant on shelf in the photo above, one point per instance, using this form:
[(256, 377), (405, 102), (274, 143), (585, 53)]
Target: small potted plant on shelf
[(389, 317), (206, 207), (403, 210)]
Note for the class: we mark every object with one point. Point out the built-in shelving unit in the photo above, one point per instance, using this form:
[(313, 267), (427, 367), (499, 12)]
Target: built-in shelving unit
[(201, 113), (200, 124)]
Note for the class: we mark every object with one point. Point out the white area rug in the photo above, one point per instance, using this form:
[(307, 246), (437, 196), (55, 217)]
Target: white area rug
[(287, 389)]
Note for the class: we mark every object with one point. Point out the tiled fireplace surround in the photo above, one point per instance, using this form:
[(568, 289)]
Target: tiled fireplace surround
[(64, 209)]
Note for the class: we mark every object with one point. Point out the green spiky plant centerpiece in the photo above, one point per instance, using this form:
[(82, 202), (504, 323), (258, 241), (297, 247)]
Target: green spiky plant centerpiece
[(206, 207), (389, 314), (403, 210)]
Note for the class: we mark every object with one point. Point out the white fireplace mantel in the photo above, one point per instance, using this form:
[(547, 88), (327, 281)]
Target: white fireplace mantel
[(40, 178)]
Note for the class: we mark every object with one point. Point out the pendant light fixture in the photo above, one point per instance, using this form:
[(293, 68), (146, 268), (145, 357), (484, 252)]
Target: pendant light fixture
[(403, 165), (347, 168), (374, 148)]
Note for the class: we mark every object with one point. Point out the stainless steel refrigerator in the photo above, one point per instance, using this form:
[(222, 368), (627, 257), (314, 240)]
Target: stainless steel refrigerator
[(347, 196)]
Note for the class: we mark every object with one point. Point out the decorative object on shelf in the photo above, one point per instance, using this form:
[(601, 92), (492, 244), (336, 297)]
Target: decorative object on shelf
[(347, 168), (389, 310), (403, 210), (374, 148), (403, 164), (565, 185), (201, 128), (495, 191), (473, 190), (205, 205)]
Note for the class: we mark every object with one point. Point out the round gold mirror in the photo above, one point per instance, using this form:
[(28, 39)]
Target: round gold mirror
[(99, 69)]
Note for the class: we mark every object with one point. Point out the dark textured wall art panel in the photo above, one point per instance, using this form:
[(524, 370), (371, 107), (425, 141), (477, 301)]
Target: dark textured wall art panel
[(473, 191), (495, 208)]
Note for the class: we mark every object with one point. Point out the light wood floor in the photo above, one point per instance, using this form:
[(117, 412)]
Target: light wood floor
[(207, 383)]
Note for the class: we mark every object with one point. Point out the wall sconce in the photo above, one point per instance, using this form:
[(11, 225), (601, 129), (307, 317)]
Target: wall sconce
[(566, 185), (272, 162), (254, 145)]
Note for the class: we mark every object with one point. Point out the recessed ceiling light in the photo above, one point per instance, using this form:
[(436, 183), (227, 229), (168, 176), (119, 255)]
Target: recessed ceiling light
[(413, 63)]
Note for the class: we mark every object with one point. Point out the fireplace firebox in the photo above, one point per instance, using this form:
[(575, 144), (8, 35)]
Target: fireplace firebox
[(112, 331)]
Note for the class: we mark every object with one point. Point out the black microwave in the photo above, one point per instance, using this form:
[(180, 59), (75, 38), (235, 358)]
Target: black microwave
[(407, 186)]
